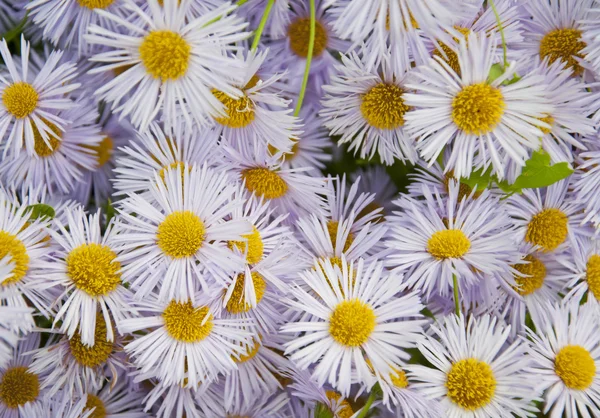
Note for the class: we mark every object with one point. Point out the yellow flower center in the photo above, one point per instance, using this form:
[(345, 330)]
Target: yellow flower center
[(237, 302), (184, 322), (288, 155), (451, 57), (20, 99), (536, 272), (165, 54), (592, 275), (97, 354), (18, 386), (251, 351), (332, 228), (470, 384), (95, 4), (344, 409), (240, 112), (564, 44), (94, 269), (181, 234), (178, 164), (448, 243), (550, 121), (478, 108), (43, 148), (12, 246), (548, 229), (352, 322), (398, 378), (575, 366), (383, 106), (103, 150), (95, 402), (264, 182), (299, 34), (254, 246)]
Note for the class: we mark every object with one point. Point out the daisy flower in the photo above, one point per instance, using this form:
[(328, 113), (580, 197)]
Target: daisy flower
[(357, 315), (20, 386), (14, 320), (183, 342), (120, 400), (553, 30), (586, 180), (434, 239), (174, 63), (484, 123), (31, 99), (548, 217), (156, 151), (590, 34), (263, 405), (583, 274), (291, 191), (65, 22), (476, 371), (87, 269), (60, 160), (171, 401), (367, 109), (60, 407), (564, 360)]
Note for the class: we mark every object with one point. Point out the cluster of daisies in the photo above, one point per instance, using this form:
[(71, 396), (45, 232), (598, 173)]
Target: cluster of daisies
[(299, 208)]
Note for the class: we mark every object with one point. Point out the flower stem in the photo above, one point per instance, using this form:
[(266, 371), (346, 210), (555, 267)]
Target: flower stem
[(261, 25), (501, 29), (365, 409), (456, 295), (309, 55)]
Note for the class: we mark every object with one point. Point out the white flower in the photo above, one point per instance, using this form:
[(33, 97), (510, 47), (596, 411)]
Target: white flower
[(583, 274), (565, 357), (357, 315), (174, 63), (14, 320), (477, 372), (586, 181)]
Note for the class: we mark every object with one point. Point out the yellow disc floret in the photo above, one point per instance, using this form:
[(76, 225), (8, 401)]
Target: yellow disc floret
[(564, 44), (592, 275), (299, 34), (383, 106), (10, 245), (535, 272), (264, 182), (184, 322), (251, 351), (94, 269), (45, 148), (478, 108), (398, 378), (95, 4), (240, 112), (575, 366), (237, 302), (447, 54), (471, 384), (97, 354), (95, 403), (165, 55), (332, 229), (253, 245), (448, 243), (103, 150), (548, 229), (18, 386), (181, 234), (352, 322), (20, 99), (344, 409)]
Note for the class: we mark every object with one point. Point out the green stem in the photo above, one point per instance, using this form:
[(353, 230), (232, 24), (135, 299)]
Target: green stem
[(240, 2), (216, 19), (309, 55), (365, 409), (501, 29), (456, 296), (261, 25)]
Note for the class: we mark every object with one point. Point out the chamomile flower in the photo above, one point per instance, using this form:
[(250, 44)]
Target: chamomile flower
[(483, 123), (87, 269), (176, 237), (434, 239), (19, 385), (548, 218), (367, 109), (175, 63), (477, 372), (183, 340), (60, 160), (291, 191), (76, 368), (564, 360), (31, 100), (553, 31), (356, 315), (65, 22), (155, 152)]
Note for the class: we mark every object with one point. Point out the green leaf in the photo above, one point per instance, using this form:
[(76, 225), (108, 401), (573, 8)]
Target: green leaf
[(41, 210), (322, 411), (110, 211), (512, 80), (496, 71), (538, 172), (480, 179), (16, 31)]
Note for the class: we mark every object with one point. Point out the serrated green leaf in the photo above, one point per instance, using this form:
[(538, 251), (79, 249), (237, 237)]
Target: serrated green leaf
[(480, 179), (322, 411), (41, 210), (496, 71), (539, 172)]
